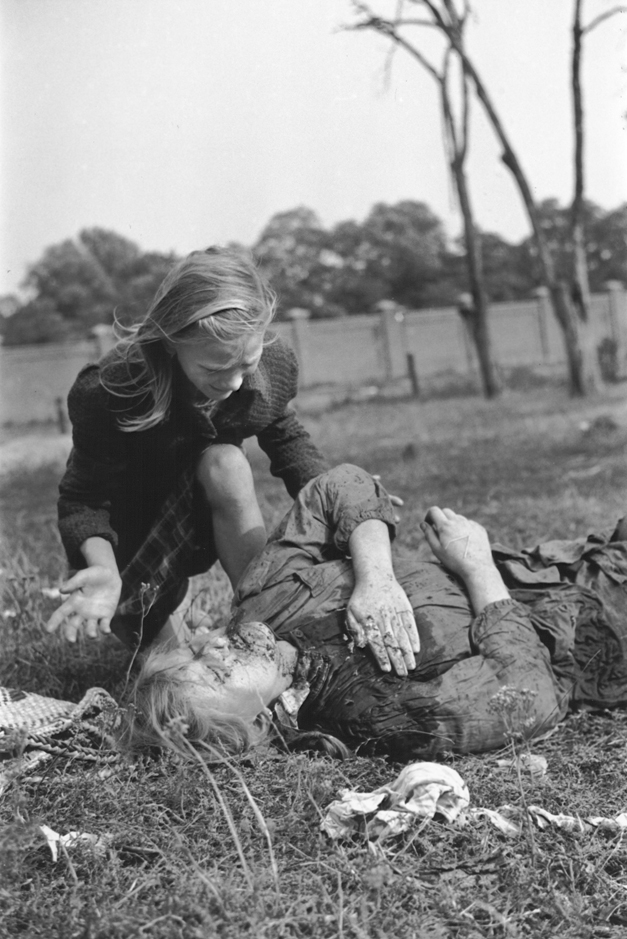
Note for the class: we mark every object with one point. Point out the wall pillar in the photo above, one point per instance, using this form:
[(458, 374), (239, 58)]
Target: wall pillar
[(617, 304), (103, 338), (545, 311), (300, 340), (392, 332)]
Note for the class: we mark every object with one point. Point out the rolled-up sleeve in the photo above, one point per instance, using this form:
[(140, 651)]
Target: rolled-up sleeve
[(330, 507)]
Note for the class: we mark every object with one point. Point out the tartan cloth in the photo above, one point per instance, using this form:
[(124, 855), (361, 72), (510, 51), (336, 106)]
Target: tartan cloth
[(155, 580)]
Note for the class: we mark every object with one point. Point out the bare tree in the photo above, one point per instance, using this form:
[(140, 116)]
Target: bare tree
[(580, 289), (583, 367), (456, 143)]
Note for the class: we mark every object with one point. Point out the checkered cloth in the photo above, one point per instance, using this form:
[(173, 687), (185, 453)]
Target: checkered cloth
[(156, 578), (34, 729)]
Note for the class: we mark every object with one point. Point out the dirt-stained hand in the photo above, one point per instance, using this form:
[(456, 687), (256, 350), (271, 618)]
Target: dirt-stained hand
[(380, 616)]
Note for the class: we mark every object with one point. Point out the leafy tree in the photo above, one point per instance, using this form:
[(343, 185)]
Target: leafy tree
[(293, 251), (404, 246), (74, 283), (605, 243), (398, 253), (97, 276), (35, 322), (506, 269), (606, 246)]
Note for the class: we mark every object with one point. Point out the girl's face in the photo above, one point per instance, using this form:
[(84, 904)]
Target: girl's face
[(217, 369)]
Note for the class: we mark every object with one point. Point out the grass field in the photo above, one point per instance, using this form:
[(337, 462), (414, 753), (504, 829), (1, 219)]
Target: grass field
[(237, 851)]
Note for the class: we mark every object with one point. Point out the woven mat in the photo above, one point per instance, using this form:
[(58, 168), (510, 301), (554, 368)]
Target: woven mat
[(35, 729)]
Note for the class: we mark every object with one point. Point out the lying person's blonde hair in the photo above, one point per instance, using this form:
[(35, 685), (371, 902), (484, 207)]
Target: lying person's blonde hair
[(167, 701)]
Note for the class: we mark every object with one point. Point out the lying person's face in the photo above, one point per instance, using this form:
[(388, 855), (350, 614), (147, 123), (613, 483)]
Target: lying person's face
[(252, 669)]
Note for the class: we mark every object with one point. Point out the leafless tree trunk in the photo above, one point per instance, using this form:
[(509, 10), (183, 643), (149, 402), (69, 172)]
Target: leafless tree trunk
[(457, 149), (580, 287), (581, 292), (479, 310), (583, 368)]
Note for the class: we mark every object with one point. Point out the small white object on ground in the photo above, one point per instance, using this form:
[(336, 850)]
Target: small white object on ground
[(421, 791)]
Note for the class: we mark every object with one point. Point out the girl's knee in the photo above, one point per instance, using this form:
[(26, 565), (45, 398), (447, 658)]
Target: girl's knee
[(224, 473)]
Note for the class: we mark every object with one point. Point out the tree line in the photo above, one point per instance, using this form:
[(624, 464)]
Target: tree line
[(398, 252)]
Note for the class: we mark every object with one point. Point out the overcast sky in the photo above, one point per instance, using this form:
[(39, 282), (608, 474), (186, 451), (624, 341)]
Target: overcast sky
[(181, 123)]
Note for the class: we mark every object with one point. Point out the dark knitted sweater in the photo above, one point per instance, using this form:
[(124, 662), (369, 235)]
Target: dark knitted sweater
[(116, 482)]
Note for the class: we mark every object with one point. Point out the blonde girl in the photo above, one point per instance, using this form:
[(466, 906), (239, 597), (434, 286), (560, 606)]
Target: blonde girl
[(157, 486)]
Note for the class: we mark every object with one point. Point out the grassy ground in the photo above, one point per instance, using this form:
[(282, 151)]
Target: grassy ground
[(187, 855)]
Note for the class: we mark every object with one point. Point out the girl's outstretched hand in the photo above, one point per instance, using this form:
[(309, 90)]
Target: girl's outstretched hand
[(460, 544), (94, 594), (380, 616)]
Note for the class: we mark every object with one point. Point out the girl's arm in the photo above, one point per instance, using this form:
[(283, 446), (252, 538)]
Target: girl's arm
[(294, 457), (96, 471)]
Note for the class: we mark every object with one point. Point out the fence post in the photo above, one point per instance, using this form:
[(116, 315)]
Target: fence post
[(391, 319), (544, 312), (300, 335), (413, 375), (103, 337), (617, 303)]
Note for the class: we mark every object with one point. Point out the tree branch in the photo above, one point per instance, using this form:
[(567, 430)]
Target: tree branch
[(602, 17)]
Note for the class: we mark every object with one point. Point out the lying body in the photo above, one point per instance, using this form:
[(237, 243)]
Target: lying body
[(547, 624)]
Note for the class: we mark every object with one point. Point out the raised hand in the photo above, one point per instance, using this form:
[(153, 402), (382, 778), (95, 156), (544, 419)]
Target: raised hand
[(458, 543), (93, 596), (463, 547)]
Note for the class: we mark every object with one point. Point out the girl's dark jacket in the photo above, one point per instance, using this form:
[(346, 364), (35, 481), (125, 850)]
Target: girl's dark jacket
[(116, 482)]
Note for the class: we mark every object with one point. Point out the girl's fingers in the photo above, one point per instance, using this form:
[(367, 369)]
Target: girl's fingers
[(71, 628), (60, 615), (78, 580), (91, 628)]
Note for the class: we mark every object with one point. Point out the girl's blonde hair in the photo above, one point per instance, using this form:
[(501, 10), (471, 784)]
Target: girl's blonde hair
[(167, 701), (218, 294)]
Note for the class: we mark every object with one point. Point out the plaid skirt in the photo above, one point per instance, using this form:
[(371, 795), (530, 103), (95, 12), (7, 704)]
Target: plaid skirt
[(179, 545)]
